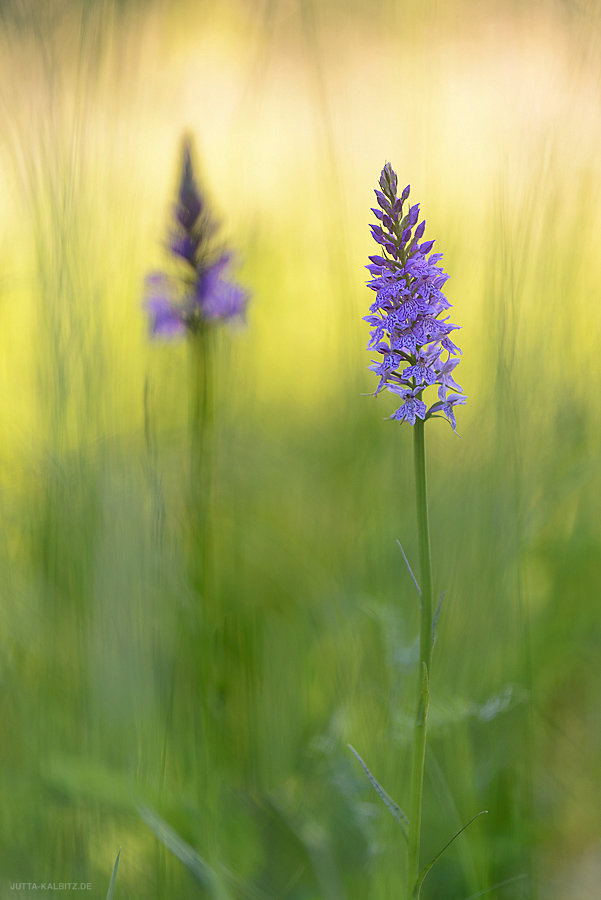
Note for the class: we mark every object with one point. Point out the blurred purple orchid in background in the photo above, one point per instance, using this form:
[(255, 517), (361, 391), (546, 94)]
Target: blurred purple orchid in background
[(204, 292)]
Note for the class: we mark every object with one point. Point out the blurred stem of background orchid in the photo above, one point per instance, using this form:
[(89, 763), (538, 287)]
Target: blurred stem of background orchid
[(201, 456)]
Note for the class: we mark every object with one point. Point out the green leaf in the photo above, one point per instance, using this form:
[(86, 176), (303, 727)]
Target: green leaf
[(426, 869), (499, 884), (196, 865), (413, 578), (393, 807), (111, 890)]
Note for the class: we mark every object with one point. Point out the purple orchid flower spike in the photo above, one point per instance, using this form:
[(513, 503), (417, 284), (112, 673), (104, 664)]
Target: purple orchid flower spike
[(410, 330), (407, 319), (204, 292)]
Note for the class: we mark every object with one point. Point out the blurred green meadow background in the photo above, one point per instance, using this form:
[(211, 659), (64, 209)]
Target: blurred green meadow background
[(492, 112)]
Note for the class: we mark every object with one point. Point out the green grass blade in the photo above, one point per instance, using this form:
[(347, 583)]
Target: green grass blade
[(111, 890), (193, 861), (409, 569), (499, 884), (426, 869), (393, 807)]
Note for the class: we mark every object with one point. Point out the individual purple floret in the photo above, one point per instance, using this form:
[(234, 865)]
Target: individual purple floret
[(446, 406), (408, 326), (165, 314), (411, 407), (202, 291)]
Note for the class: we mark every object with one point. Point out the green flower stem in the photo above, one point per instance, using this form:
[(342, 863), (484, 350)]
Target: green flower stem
[(425, 659), (201, 419), (201, 400), (199, 634)]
